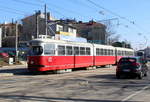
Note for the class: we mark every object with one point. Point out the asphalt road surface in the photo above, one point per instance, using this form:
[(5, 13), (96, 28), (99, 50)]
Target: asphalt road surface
[(99, 85)]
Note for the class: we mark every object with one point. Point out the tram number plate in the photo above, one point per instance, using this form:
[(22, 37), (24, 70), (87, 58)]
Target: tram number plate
[(50, 59)]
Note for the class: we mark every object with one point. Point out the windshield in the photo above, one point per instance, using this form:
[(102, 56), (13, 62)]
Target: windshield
[(36, 50)]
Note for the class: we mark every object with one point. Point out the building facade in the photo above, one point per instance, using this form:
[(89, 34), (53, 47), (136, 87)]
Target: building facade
[(8, 31), (33, 27), (93, 31), (30, 26)]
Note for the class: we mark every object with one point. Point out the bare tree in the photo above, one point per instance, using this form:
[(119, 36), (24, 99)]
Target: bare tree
[(111, 35)]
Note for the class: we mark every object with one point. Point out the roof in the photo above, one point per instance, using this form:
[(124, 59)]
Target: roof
[(132, 57), (59, 41), (127, 49)]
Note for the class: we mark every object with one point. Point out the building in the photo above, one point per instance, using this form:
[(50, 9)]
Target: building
[(147, 53), (61, 28), (93, 31), (8, 33), (34, 25), (30, 26)]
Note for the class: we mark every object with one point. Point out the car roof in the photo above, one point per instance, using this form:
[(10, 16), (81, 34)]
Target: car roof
[(136, 57)]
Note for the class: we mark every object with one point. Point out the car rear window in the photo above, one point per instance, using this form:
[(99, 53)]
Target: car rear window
[(127, 60)]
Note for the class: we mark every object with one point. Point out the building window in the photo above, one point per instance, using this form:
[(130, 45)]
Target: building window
[(71, 30), (59, 28)]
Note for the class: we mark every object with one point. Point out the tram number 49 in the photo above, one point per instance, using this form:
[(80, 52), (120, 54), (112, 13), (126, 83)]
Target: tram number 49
[(50, 59)]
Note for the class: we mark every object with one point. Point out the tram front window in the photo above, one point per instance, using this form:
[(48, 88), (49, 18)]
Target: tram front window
[(36, 50)]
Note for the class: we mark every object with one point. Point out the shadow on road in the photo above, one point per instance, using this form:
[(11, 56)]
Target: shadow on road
[(52, 99), (106, 76), (16, 71), (23, 71)]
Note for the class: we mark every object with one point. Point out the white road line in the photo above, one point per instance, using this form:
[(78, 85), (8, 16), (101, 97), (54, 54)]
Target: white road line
[(134, 94)]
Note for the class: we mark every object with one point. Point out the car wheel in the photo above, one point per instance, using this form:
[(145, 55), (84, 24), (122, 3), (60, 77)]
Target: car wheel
[(117, 76), (140, 75), (145, 74)]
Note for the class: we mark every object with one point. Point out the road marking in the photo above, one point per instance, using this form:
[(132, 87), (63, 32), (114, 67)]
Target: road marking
[(134, 94)]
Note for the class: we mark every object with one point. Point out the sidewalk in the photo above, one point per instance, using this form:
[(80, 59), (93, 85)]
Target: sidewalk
[(13, 70)]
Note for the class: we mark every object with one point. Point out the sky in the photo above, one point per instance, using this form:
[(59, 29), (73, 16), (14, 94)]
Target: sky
[(130, 18)]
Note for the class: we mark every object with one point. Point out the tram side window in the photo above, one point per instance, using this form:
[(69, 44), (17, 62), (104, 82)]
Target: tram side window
[(76, 50), (49, 49), (101, 52), (111, 52), (122, 53), (108, 52), (88, 52), (61, 50), (97, 51), (105, 51), (68, 50), (82, 51), (119, 53)]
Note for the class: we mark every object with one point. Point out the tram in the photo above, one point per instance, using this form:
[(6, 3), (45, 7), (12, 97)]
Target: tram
[(53, 55)]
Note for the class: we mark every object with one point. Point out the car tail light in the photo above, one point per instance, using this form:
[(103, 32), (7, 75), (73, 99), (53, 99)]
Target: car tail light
[(118, 68), (136, 64)]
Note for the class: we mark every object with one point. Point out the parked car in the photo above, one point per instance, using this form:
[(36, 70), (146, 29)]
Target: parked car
[(131, 66), (3, 54)]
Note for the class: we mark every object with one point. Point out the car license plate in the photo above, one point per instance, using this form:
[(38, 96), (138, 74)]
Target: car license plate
[(126, 70)]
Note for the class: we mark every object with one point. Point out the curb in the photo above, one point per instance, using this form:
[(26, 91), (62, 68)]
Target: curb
[(12, 66), (6, 74)]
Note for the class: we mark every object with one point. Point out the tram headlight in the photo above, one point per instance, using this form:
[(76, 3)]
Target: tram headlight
[(32, 62)]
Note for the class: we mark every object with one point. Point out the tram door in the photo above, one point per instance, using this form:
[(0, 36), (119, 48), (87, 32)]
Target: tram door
[(76, 56)]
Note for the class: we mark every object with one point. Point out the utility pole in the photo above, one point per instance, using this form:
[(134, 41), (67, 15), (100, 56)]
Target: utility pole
[(4, 29), (16, 41), (37, 24), (45, 21)]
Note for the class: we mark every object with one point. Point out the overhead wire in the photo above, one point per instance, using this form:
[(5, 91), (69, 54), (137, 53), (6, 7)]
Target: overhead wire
[(62, 8), (115, 14), (10, 11), (36, 4), (141, 29)]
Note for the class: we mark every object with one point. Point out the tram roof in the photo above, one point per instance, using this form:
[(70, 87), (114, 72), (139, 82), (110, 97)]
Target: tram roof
[(46, 40), (59, 41), (69, 42), (104, 46), (124, 49)]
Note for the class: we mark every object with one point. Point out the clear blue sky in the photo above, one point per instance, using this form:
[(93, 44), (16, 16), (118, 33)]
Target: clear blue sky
[(137, 34)]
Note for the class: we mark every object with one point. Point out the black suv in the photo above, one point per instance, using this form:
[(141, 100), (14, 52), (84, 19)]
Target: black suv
[(131, 66)]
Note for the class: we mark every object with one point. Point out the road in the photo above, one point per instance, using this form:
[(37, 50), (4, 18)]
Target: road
[(99, 85)]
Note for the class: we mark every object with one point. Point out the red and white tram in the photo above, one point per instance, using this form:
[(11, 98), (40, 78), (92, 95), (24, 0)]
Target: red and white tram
[(47, 54)]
